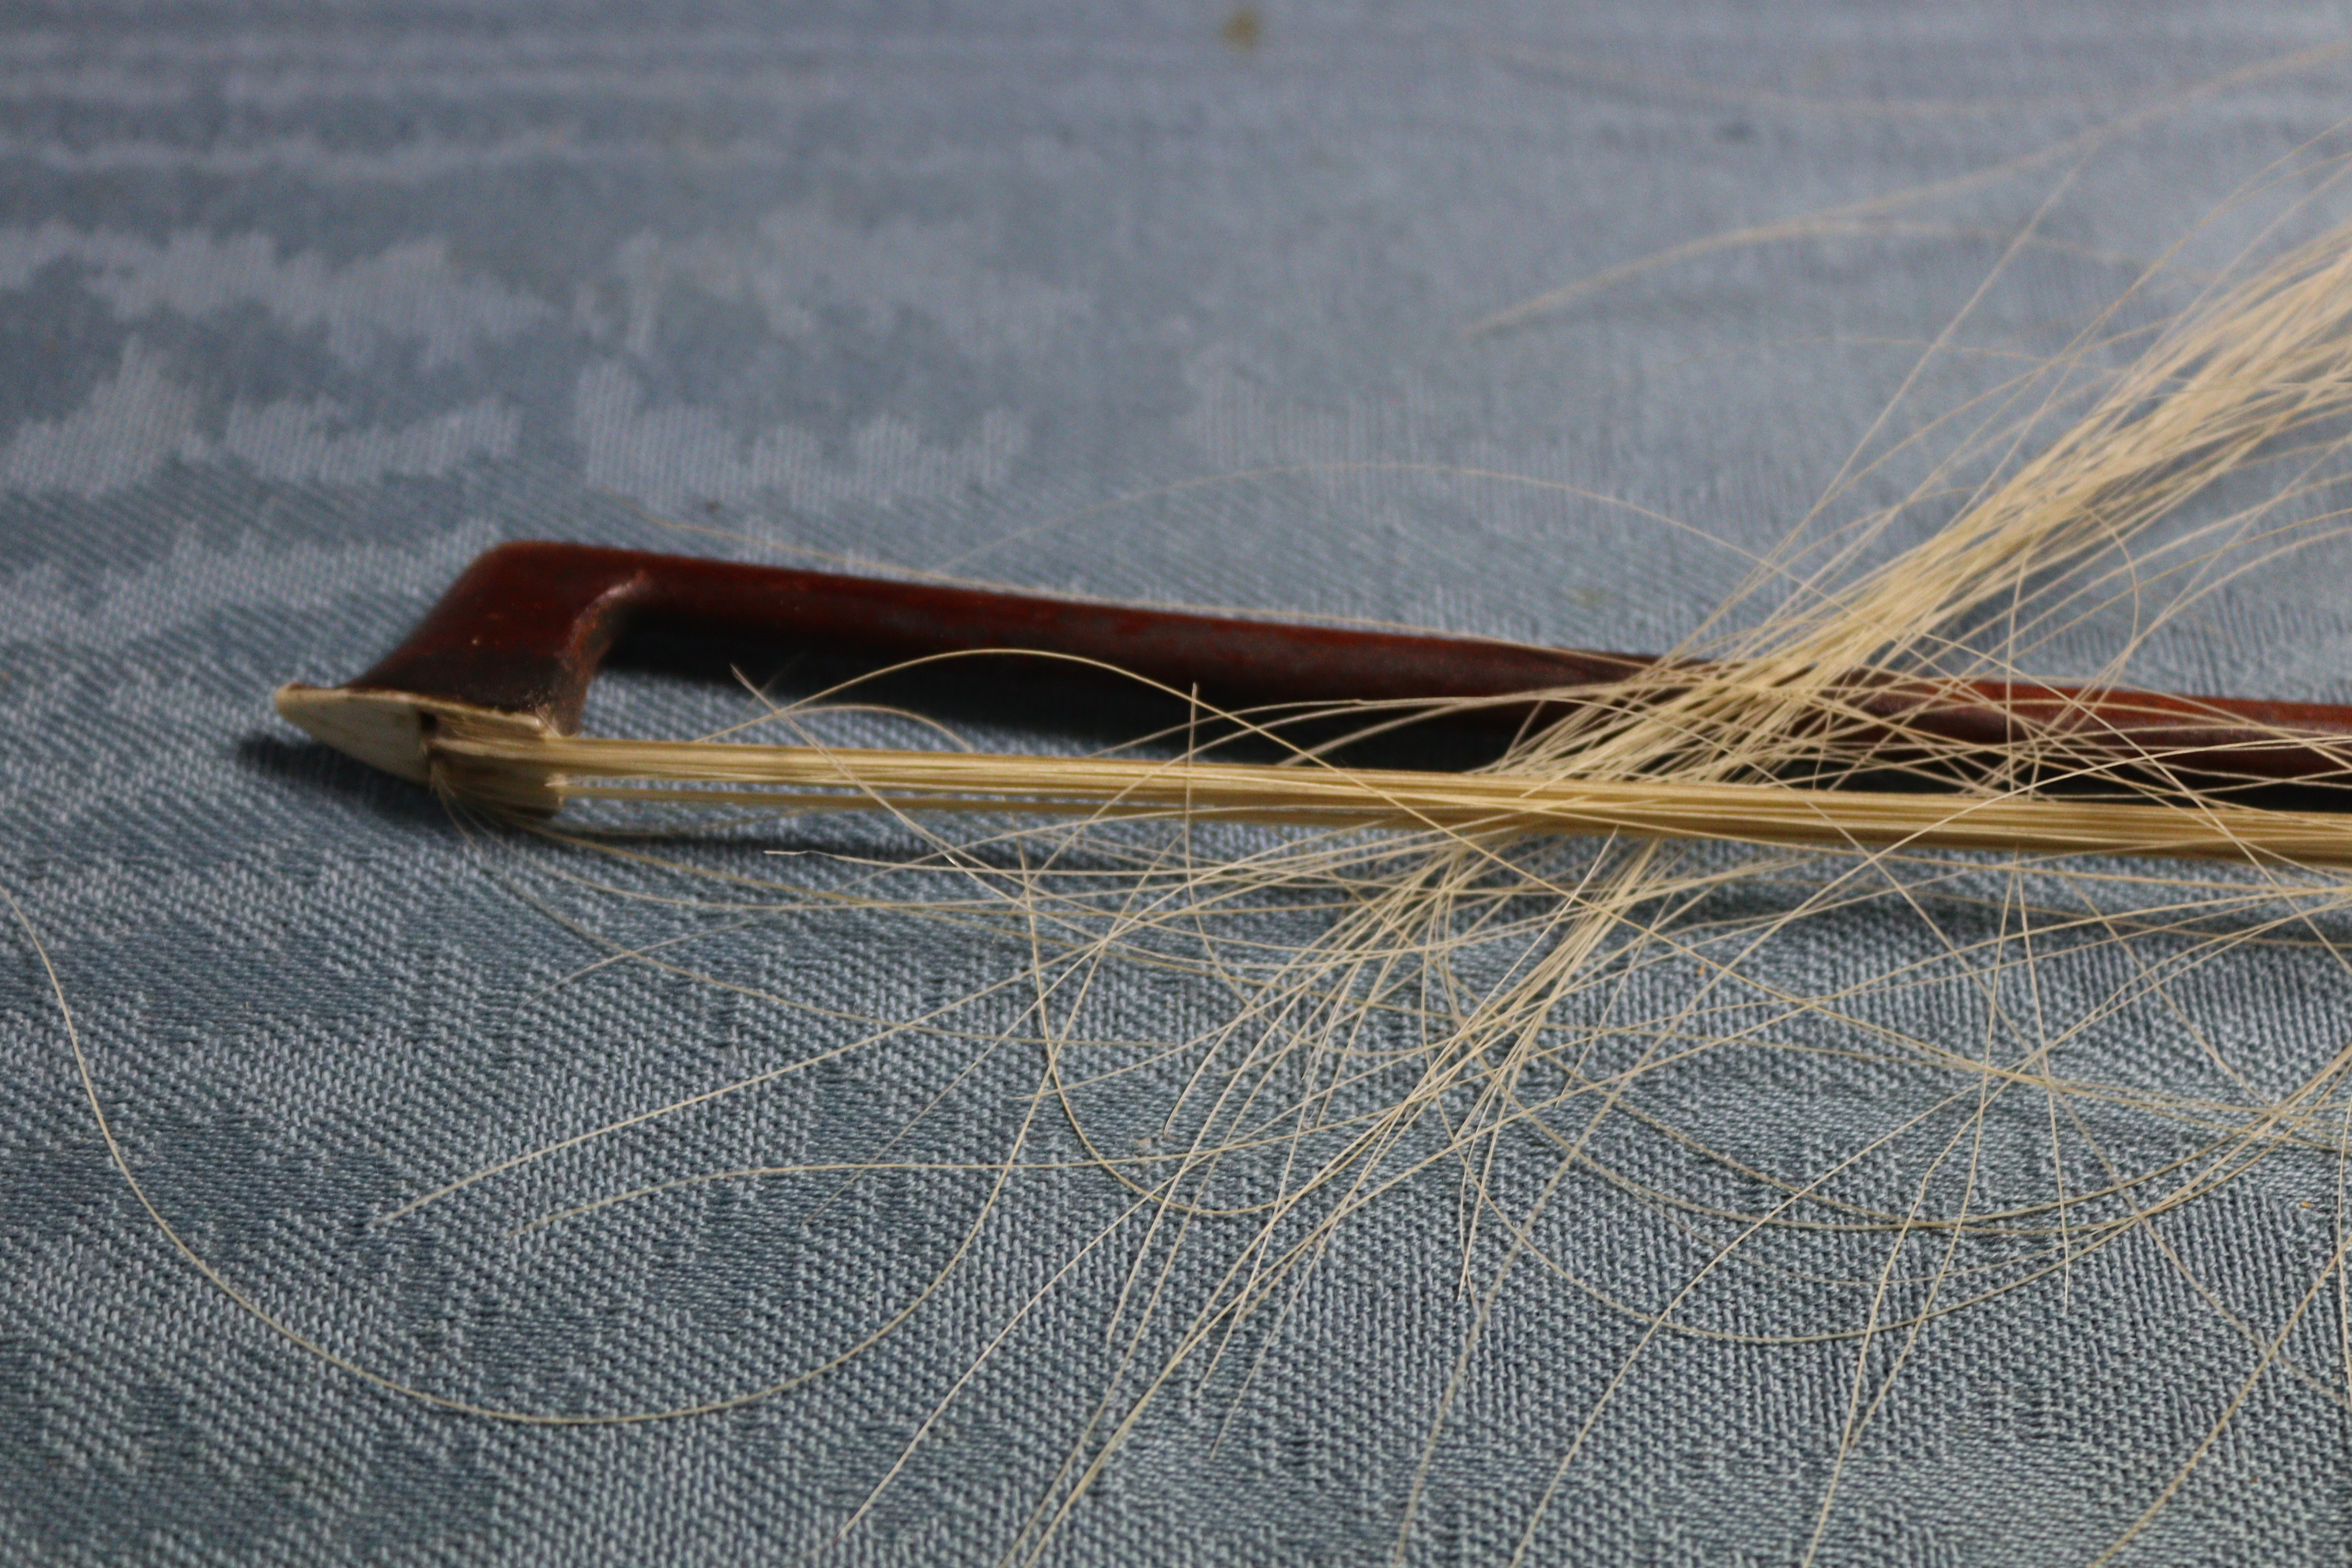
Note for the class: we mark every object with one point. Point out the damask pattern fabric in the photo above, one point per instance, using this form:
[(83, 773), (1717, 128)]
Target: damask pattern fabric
[(301, 308)]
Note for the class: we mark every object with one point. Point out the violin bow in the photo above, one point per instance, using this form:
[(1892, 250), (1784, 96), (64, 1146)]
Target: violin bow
[(484, 698)]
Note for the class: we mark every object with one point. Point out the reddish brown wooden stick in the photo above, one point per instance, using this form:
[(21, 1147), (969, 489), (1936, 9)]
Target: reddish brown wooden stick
[(523, 631)]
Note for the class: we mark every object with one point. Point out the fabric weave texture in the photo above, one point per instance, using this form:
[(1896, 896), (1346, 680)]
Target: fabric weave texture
[(303, 307)]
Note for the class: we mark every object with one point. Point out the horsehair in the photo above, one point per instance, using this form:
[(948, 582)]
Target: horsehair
[(1415, 871)]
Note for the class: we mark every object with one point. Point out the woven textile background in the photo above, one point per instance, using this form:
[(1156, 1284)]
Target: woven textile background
[(302, 308)]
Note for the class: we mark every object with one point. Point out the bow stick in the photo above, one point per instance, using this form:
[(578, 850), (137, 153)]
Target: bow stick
[(484, 697)]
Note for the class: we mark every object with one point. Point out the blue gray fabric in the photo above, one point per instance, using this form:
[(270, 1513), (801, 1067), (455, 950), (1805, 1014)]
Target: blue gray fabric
[(301, 308)]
